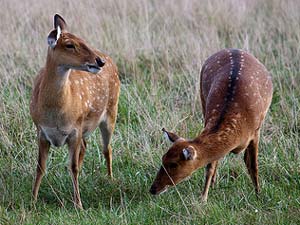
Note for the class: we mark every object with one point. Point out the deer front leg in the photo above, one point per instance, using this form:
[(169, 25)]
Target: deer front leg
[(44, 146), (210, 172), (214, 177), (74, 151), (82, 152)]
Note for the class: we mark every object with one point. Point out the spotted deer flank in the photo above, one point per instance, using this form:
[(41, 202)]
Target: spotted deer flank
[(76, 92), (236, 92)]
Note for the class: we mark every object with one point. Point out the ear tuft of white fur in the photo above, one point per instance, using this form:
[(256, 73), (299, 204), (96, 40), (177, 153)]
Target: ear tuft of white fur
[(51, 42), (186, 154), (189, 153), (166, 135), (58, 33)]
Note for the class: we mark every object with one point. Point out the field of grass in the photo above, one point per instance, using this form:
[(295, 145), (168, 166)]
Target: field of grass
[(159, 47)]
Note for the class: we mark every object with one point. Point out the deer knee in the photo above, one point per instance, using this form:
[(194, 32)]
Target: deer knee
[(107, 151), (41, 169), (74, 168)]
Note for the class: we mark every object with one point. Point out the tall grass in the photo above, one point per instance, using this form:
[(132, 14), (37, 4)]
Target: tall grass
[(159, 47)]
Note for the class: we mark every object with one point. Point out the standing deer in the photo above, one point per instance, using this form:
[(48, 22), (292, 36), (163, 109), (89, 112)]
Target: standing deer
[(236, 92), (76, 91)]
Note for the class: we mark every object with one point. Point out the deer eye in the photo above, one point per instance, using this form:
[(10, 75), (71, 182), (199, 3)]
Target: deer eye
[(70, 46), (173, 165)]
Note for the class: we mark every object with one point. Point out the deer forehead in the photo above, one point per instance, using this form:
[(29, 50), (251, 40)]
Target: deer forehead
[(71, 38), (173, 155)]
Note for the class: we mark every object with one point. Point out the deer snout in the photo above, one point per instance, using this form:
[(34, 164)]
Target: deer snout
[(96, 66), (100, 62)]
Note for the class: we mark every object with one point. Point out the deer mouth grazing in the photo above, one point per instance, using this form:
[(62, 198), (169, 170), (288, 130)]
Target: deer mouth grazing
[(155, 191)]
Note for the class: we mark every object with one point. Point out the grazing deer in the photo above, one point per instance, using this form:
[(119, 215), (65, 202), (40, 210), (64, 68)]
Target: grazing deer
[(76, 91), (236, 92)]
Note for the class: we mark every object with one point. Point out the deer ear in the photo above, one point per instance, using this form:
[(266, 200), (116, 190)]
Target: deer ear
[(59, 26), (170, 136), (52, 38), (189, 153), (59, 21)]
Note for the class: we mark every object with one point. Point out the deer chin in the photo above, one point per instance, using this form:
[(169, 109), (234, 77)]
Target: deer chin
[(163, 190), (92, 68), (154, 191)]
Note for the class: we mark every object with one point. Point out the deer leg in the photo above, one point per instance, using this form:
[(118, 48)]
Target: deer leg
[(250, 159), (44, 146), (210, 171), (82, 152), (74, 152), (214, 177), (107, 128), (106, 132)]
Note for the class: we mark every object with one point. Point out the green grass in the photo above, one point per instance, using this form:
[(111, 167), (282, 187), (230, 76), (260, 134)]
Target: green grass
[(159, 47)]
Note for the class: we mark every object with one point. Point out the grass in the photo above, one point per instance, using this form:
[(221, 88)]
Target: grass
[(159, 47)]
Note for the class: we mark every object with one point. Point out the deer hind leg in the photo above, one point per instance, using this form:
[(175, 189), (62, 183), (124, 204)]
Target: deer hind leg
[(107, 128), (44, 146), (74, 152), (82, 152), (210, 173), (250, 159)]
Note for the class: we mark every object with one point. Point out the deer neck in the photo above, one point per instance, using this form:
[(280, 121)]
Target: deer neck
[(213, 146), (55, 85)]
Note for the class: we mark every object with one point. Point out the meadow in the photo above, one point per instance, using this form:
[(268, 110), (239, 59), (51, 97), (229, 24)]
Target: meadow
[(159, 48)]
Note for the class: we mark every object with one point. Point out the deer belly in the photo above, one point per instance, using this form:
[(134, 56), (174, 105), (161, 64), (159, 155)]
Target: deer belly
[(89, 128), (241, 147), (91, 124), (56, 136)]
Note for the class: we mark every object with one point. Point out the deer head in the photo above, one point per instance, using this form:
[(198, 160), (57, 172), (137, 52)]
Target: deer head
[(177, 164), (69, 51)]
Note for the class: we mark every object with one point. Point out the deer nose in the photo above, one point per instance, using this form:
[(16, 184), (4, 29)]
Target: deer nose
[(100, 62)]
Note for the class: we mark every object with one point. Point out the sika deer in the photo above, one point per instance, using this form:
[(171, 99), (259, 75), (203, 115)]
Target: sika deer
[(74, 93), (236, 92)]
